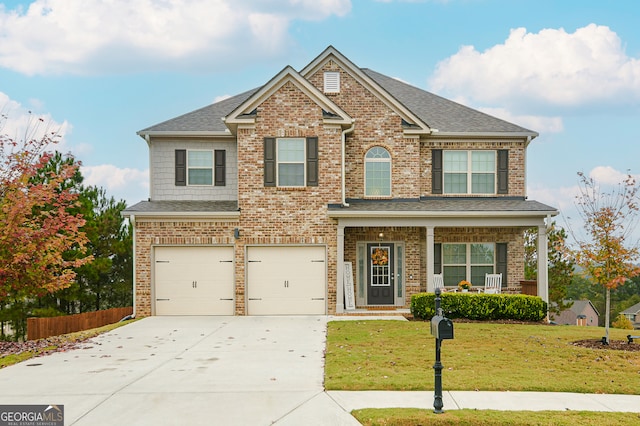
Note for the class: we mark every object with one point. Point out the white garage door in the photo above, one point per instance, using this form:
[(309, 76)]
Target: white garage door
[(286, 280), (194, 281)]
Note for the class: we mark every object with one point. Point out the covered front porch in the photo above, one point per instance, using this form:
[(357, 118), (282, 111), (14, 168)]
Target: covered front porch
[(384, 255)]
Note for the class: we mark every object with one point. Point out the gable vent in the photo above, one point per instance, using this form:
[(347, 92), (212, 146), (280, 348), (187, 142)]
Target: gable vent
[(331, 82)]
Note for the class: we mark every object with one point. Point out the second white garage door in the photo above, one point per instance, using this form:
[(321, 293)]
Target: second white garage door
[(286, 280), (194, 281)]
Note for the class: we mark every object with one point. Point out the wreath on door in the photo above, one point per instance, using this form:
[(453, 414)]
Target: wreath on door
[(380, 257)]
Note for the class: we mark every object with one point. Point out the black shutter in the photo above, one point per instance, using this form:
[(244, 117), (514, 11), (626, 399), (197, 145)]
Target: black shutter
[(503, 171), (437, 258), (220, 161), (269, 161), (501, 262), (312, 161), (181, 167), (436, 171)]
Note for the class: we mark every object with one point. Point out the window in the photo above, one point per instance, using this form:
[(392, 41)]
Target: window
[(377, 172), (467, 262), (291, 159), (291, 162), (469, 172), (199, 167), (331, 82)]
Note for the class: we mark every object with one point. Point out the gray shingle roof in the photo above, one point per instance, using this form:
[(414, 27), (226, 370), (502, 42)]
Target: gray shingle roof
[(435, 205), (207, 119), (440, 113), (437, 112), (632, 310), (182, 207)]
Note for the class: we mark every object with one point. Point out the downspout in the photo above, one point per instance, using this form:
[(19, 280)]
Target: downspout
[(132, 219), (344, 149), (148, 140), (526, 148)]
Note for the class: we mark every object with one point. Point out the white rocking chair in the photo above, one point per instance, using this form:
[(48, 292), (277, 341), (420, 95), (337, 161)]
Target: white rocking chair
[(438, 282), (493, 283)]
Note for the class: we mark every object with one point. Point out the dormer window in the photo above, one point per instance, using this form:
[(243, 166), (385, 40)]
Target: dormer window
[(331, 82)]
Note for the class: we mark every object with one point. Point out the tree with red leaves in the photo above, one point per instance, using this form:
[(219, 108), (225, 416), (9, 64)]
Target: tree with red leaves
[(39, 229), (607, 254)]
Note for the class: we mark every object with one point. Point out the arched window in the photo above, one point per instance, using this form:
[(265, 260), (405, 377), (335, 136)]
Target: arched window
[(377, 173)]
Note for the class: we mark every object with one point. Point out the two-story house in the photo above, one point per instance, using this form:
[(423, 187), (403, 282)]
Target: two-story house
[(327, 190)]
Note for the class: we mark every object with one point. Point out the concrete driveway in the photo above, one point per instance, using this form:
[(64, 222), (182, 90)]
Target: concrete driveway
[(187, 370)]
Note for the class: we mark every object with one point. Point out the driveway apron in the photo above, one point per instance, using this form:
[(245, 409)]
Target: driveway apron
[(186, 370)]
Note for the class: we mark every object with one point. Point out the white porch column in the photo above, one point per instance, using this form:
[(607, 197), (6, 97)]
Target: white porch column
[(543, 264), (340, 271), (430, 259)]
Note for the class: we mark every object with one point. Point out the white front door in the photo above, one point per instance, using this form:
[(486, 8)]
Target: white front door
[(286, 280), (194, 281)]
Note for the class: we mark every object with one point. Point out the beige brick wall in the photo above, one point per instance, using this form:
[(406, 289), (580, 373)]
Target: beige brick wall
[(273, 215), (375, 125), (284, 216)]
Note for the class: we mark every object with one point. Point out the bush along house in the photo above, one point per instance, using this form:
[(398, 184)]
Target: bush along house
[(330, 190)]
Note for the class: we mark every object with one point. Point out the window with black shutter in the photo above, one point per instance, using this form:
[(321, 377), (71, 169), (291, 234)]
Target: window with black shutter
[(436, 171), (181, 167), (503, 171), (291, 162), (220, 161)]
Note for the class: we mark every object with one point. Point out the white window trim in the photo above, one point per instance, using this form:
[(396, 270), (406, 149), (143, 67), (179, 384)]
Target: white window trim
[(304, 164), (470, 172), (212, 168), (468, 264), (378, 160), (362, 275)]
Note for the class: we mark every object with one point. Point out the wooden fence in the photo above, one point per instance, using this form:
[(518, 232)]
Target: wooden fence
[(38, 328)]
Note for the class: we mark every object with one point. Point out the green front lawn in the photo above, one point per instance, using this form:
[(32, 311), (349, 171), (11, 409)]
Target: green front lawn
[(413, 417), (399, 355)]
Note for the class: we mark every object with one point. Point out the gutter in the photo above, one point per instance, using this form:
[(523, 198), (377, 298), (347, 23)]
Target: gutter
[(344, 149)]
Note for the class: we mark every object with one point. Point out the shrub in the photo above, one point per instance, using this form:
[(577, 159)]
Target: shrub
[(623, 323), (480, 306)]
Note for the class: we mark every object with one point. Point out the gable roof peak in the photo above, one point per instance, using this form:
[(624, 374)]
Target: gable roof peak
[(243, 113)]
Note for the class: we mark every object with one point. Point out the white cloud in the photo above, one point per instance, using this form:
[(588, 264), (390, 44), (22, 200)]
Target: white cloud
[(131, 185), (606, 175), (93, 36), (20, 123), (538, 123), (549, 68)]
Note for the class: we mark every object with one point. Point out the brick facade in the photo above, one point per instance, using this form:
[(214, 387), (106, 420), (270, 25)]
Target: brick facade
[(299, 216)]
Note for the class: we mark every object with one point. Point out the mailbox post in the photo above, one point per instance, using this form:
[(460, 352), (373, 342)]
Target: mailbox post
[(441, 328)]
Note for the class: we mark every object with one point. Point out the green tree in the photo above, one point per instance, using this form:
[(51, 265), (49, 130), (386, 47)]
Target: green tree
[(107, 281), (560, 264), (605, 254)]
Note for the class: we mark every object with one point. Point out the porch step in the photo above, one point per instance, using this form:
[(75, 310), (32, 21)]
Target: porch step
[(377, 311)]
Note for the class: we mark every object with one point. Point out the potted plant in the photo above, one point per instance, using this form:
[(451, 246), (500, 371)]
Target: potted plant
[(464, 286)]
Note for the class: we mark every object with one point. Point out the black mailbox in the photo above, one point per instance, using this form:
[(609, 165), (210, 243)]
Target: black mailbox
[(441, 327)]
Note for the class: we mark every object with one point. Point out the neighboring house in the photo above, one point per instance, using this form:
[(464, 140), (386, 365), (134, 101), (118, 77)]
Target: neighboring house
[(581, 312), (633, 314), (259, 203)]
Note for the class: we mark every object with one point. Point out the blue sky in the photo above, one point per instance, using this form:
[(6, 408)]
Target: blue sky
[(101, 70)]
